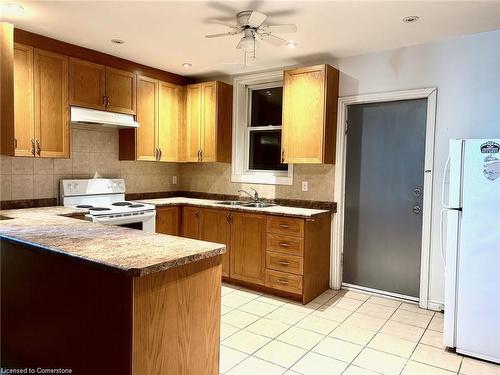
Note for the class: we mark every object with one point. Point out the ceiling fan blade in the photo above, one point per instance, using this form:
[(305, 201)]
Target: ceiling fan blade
[(219, 35), (224, 23), (289, 28), (272, 39), (256, 19)]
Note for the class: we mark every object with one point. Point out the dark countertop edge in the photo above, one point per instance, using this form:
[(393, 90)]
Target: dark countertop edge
[(130, 272)]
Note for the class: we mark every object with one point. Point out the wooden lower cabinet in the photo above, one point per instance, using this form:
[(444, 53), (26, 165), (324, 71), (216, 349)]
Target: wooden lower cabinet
[(167, 220), (214, 226), (190, 222)]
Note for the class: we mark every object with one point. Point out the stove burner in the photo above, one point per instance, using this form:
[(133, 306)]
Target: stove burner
[(136, 205), (99, 209), (84, 206), (121, 204)]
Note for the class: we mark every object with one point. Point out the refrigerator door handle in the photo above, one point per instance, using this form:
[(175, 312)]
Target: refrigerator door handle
[(443, 199), (441, 242)]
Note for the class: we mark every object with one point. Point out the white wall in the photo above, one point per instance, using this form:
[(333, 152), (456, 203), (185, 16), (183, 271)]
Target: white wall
[(466, 72)]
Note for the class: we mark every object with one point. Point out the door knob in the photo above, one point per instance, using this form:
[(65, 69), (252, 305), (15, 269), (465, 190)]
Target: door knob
[(416, 209)]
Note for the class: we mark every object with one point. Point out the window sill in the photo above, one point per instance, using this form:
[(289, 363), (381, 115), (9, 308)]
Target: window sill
[(264, 178)]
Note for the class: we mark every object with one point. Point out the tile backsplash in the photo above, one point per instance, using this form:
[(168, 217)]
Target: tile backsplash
[(94, 149)]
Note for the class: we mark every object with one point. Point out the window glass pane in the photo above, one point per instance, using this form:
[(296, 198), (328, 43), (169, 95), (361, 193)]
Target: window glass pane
[(265, 150), (266, 107)]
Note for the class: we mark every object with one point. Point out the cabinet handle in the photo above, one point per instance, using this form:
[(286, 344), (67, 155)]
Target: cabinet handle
[(284, 282), (284, 244), (284, 262), (107, 102), (15, 142), (159, 153), (33, 147), (38, 148), (284, 226), (201, 155), (283, 156), (104, 100), (197, 213)]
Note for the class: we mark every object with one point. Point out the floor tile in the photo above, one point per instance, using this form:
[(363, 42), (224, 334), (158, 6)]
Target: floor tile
[(332, 313), (267, 327), (280, 353), (258, 308), (326, 296), (251, 294), (229, 358), (317, 324), (392, 345), (411, 318), (300, 337), (253, 365), (437, 323), (234, 300), (378, 311), (290, 372), (471, 366), (403, 331), (354, 334), (226, 290), (225, 309), (384, 301), (297, 306), (239, 318), (338, 349), (379, 362), (355, 370), (365, 321), (246, 342), (286, 316), (349, 303), (433, 338), (226, 330), (317, 364), (416, 368), (272, 300), (356, 295), (415, 308), (437, 357)]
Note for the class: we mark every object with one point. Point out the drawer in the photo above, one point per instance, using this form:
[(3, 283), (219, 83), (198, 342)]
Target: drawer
[(285, 263), (284, 281), (285, 244), (285, 225)]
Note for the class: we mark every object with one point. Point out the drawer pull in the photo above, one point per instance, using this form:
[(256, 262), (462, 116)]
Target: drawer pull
[(284, 282), (284, 226), (284, 262), (284, 244)]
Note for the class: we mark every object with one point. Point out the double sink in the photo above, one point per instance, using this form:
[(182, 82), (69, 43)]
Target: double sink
[(246, 204)]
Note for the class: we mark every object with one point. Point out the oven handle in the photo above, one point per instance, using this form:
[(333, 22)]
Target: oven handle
[(125, 219)]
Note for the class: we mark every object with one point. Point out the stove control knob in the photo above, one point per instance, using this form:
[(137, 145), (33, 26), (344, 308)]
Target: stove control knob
[(70, 186), (76, 186)]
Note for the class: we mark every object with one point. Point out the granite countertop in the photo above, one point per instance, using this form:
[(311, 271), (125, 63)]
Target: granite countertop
[(273, 210), (130, 251)]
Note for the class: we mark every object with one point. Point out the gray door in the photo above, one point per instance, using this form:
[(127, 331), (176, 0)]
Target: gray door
[(383, 199)]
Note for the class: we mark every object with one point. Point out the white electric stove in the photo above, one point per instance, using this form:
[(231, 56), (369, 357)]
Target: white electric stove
[(105, 200)]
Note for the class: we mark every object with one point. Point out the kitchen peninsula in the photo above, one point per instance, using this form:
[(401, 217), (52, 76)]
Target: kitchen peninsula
[(104, 299)]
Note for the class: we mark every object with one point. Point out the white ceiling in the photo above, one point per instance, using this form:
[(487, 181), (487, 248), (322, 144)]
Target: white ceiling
[(164, 34)]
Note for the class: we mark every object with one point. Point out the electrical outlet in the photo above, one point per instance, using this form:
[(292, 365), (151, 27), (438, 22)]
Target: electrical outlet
[(174, 180), (305, 186)]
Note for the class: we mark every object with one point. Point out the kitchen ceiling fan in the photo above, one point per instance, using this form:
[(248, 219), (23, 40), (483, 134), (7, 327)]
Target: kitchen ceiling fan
[(250, 23)]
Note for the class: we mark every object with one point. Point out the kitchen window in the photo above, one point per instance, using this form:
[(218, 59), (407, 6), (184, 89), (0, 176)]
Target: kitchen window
[(257, 129)]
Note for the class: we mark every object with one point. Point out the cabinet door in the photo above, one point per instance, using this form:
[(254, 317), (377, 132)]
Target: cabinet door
[(215, 227), (248, 247), (303, 115), (52, 126), (209, 122), (86, 84), (24, 116), (193, 121), (169, 120), (167, 220), (120, 90), (147, 117), (190, 222)]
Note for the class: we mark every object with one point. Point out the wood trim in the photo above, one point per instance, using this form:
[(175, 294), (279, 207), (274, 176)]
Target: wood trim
[(54, 45), (224, 126), (263, 289), (7, 89)]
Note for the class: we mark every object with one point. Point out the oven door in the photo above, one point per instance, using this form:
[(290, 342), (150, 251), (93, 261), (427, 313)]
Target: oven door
[(140, 220)]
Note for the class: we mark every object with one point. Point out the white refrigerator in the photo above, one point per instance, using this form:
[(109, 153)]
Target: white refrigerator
[(472, 244)]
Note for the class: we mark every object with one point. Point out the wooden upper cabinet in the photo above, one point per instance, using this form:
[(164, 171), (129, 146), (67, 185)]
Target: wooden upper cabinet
[(24, 115), (209, 122), (310, 97), (52, 125), (120, 91), (248, 247), (147, 117), (215, 227), (170, 121), (87, 84)]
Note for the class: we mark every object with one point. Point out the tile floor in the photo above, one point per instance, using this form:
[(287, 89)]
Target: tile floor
[(340, 332)]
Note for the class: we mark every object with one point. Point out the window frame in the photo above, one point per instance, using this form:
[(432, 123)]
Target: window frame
[(241, 171)]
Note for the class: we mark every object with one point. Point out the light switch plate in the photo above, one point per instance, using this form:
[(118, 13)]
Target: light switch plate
[(174, 180), (305, 186)]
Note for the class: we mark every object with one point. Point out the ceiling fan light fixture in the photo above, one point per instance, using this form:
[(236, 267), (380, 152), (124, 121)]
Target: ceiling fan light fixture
[(292, 44), (117, 41), (411, 19), (187, 65)]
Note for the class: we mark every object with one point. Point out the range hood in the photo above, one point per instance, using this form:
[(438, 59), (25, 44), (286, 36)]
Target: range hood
[(108, 119)]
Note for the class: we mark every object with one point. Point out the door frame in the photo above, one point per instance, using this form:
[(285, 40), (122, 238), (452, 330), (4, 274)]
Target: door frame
[(339, 187)]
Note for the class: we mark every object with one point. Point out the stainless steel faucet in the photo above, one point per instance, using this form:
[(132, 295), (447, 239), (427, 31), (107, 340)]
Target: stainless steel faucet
[(254, 196)]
